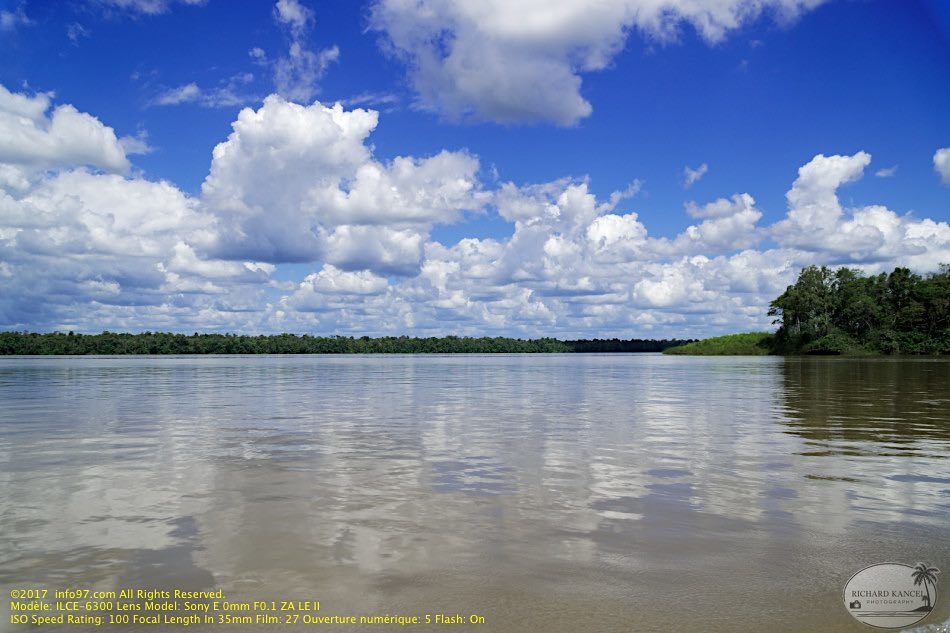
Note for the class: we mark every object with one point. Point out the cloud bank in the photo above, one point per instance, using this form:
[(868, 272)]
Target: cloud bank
[(84, 245)]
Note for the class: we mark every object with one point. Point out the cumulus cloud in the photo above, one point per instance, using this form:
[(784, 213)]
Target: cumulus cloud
[(518, 62), (379, 248), (299, 183), (727, 225), (692, 176), (78, 245), (319, 290), (818, 223), (814, 209), (608, 230), (942, 164), (573, 264), (81, 241), (36, 138)]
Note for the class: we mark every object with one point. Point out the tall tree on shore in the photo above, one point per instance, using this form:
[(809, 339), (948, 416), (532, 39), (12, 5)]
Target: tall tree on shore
[(829, 311)]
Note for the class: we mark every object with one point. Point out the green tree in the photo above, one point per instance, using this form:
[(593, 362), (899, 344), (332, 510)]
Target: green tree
[(805, 310)]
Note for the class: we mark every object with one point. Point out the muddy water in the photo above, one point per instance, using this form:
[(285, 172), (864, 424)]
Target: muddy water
[(543, 493)]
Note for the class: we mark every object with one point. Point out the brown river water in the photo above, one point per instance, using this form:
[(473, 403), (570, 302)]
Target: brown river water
[(552, 493)]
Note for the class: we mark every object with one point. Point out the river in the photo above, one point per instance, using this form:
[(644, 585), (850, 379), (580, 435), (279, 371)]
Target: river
[(601, 493)]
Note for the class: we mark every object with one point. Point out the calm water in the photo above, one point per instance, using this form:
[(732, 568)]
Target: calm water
[(547, 493)]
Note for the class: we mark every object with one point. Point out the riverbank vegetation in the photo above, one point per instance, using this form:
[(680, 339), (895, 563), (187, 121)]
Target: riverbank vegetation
[(168, 343), (746, 344), (845, 312)]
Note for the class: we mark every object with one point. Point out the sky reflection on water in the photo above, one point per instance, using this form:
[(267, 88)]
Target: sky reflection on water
[(546, 492)]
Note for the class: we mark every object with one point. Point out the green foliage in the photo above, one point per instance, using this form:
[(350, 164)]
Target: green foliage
[(844, 312), (616, 345), (746, 344), (167, 343), (836, 342)]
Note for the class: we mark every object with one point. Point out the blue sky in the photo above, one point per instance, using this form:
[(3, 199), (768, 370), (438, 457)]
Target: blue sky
[(635, 168)]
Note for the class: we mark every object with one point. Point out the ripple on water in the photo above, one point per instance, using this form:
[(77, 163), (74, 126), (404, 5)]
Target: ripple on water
[(555, 493)]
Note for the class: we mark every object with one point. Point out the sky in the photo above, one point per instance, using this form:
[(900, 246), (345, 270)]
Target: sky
[(527, 168)]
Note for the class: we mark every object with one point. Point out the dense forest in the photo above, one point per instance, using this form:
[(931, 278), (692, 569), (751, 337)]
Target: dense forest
[(167, 343), (845, 312)]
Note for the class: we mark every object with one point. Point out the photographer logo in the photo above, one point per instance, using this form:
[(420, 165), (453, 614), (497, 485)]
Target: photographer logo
[(892, 595)]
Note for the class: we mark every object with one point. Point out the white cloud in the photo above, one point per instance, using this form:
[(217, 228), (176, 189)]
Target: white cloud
[(669, 286), (608, 230), (721, 208), (33, 139), (107, 252), (137, 144), (727, 225), (112, 214), (332, 280), (80, 246), (298, 183), (942, 164), (886, 172), (22, 105), (296, 74), (814, 209), (379, 248), (373, 99), (11, 20), (184, 260), (405, 191), (146, 7), (293, 14), (522, 61), (78, 241), (819, 224), (230, 92), (182, 94), (692, 176)]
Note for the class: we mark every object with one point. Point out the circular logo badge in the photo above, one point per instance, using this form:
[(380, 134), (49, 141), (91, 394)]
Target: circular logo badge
[(892, 595)]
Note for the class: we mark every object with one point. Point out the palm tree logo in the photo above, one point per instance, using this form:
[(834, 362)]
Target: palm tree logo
[(892, 595), (926, 576)]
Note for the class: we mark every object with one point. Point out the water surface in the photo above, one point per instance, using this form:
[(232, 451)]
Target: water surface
[(545, 492)]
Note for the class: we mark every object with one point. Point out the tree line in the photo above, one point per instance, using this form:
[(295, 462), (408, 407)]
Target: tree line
[(59, 343), (845, 312)]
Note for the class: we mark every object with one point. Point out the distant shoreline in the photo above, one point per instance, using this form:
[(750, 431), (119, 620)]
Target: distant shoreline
[(166, 343), (764, 344)]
